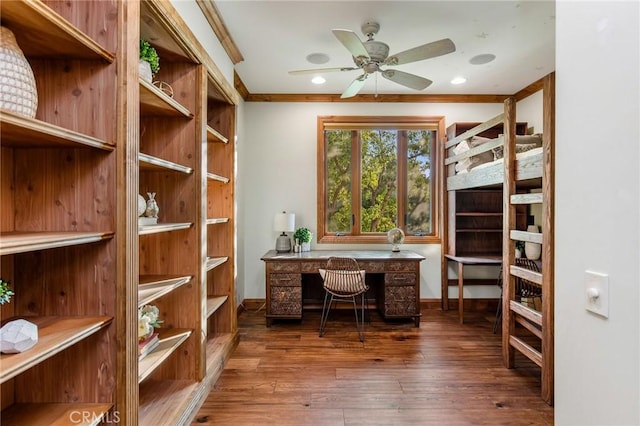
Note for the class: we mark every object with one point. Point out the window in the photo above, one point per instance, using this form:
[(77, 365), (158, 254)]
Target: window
[(375, 174)]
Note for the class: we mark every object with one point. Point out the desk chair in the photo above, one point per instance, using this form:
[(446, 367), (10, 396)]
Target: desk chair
[(525, 289), (343, 280)]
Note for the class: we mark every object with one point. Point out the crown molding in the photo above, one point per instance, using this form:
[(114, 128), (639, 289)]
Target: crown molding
[(216, 22)]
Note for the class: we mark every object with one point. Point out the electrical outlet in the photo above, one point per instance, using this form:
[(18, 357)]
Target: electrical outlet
[(596, 288)]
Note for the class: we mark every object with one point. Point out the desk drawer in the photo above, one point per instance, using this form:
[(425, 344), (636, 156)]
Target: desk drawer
[(399, 279), (400, 301), (285, 280), (402, 266), (286, 301), (371, 267), (284, 267), (312, 267)]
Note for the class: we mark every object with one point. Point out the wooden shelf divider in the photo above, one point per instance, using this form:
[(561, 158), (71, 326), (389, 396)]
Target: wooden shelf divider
[(162, 227), (55, 334), (214, 303), (213, 136), (20, 131), (152, 287), (213, 262), (21, 414), (170, 340), (49, 34), (151, 163), (21, 242)]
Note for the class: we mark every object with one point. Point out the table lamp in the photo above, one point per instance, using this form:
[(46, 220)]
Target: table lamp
[(284, 222)]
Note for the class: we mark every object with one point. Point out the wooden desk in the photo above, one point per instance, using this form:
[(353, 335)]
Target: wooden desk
[(397, 297), (462, 261)]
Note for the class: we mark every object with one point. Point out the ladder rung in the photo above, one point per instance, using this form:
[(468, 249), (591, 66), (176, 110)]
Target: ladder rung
[(535, 198), (531, 237), (526, 312), (526, 324), (526, 274), (526, 350)]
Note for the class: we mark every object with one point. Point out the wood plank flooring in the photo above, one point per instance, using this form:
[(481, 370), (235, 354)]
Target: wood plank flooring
[(441, 373)]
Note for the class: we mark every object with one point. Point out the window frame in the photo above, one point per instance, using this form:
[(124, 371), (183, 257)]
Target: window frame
[(435, 122)]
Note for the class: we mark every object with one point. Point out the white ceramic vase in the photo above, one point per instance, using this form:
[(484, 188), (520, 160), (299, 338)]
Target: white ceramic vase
[(532, 250), (144, 69)]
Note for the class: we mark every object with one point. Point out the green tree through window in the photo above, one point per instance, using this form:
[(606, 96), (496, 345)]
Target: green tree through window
[(376, 174)]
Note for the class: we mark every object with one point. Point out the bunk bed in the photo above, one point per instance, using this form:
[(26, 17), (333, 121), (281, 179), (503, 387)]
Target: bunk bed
[(531, 168)]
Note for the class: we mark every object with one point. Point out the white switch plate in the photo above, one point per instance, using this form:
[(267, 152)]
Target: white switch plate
[(596, 283)]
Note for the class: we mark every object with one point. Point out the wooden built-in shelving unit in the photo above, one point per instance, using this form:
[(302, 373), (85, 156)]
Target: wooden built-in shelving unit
[(80, 264)]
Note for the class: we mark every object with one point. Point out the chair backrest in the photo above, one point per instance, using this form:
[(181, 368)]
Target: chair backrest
[(343, 277)]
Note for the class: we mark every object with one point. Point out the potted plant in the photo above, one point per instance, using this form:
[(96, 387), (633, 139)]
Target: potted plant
[(303, 237), (5, 292), (149, 63)]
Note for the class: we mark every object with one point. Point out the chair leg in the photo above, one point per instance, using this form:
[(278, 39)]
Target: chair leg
[(359, 324), (498, 314), (325, 313)]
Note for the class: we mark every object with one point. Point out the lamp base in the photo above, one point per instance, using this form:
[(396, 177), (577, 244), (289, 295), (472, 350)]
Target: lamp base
[(283, 244)]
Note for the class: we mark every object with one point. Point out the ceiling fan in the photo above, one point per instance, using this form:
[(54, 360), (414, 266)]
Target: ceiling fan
[(370, 55)]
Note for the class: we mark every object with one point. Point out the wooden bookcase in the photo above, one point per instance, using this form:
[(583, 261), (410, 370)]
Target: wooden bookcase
[(70, 243)]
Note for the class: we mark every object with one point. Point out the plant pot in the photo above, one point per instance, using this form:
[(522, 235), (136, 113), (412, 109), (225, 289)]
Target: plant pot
[(518, 253), (305, 246), (18, 91), (144, 69)]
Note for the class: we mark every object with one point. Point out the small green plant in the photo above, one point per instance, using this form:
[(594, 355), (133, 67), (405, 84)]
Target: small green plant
[(520, 246), (148, 53), (303, 235), (5, 292)]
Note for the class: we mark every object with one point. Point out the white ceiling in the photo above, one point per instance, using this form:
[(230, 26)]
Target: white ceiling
[(275, 37)]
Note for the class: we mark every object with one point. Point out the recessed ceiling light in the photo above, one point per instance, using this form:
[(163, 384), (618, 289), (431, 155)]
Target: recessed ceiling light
[(484, 58), (458, 80), (318, 58), (318, 80)]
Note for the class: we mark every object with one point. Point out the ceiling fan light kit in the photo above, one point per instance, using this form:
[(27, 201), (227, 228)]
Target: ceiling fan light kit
[(370, 55)]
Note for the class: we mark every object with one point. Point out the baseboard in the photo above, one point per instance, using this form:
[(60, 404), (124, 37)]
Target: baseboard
[(470, 305)]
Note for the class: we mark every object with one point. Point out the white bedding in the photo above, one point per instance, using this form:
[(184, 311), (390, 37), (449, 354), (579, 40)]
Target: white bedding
[(531, 152)]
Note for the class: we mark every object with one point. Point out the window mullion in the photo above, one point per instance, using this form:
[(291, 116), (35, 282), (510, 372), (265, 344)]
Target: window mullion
[(402, 179), (356, 181)]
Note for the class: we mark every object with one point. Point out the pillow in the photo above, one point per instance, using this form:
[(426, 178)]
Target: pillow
[(467, 164), (342, 281), (529, 139), (498, 151)]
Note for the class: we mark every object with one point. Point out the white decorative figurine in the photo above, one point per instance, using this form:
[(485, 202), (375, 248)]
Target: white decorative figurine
[(152, 206), (18, 336)]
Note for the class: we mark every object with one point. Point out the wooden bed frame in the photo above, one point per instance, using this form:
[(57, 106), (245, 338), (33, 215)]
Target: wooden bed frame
[(535, 171)]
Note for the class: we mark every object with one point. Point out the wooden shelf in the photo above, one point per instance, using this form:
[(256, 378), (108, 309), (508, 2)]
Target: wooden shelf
[(215, 220), (214, 303), (55, 334), (162, 227), (170, 340), (152, 287), (213, 176), (478, 230), (54, 414), (41, 32), (24, 132), (166, 402), (213, 262), (150, 163), (21, 242), (154, 101), (213, 136)]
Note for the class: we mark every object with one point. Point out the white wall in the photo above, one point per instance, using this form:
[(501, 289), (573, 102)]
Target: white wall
[(597, 360), (278, 164)]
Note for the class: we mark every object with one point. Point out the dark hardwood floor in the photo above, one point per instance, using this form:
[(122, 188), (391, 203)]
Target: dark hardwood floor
[(442, 373)]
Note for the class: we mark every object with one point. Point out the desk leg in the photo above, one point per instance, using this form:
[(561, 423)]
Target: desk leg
[(445, 287), (461, 292)]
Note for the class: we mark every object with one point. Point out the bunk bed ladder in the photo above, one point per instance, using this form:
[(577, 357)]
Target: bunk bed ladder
[(538, 323)]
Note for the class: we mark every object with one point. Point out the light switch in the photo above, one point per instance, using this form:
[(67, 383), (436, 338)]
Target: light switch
[(596, 289)]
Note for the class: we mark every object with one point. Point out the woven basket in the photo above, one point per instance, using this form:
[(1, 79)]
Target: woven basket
[(18, 91)]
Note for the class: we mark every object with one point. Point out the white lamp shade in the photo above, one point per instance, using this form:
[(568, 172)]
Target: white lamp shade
[(284, 222)]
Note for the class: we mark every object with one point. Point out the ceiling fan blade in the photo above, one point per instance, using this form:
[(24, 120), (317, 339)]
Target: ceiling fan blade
[(321, 70), (426, 51), (352, 42), (408, 80), (354, 87)]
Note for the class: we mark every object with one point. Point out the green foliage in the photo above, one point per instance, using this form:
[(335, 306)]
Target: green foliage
[(148, 53), (303, 235), (520, 246), (5, 292)]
